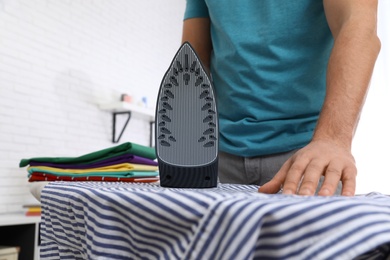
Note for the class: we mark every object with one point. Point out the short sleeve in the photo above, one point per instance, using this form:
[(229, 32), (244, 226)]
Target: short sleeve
[(196, 8)]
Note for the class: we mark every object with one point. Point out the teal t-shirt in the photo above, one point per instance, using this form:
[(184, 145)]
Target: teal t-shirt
[(268, 66)]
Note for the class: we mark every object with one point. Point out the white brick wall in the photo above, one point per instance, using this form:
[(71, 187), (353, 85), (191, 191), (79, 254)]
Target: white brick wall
[(58, 58)]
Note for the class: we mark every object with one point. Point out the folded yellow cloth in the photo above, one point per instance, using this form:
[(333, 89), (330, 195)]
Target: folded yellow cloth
[(122, 167)]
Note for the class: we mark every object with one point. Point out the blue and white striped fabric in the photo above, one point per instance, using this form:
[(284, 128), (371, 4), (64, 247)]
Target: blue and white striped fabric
[(97, 220)]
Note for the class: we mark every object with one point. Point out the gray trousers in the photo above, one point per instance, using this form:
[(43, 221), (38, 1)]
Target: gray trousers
[(253, 170)]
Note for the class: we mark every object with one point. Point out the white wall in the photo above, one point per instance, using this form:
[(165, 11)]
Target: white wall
[(58, 58), (372, 141)]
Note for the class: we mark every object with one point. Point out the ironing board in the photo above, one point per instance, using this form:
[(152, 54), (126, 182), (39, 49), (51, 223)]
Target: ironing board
[(98, 220)]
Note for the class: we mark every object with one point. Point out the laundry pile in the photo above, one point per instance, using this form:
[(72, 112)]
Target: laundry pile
[(127, 162)]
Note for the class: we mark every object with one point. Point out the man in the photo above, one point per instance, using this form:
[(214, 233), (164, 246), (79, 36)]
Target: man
[(291, 79)]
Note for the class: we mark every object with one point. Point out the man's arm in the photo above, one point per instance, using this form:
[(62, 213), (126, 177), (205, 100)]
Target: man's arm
[(356, 47), (196, 31)]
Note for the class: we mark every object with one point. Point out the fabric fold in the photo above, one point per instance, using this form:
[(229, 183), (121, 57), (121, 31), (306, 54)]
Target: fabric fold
[(127, 162), (40, 176), (125, 158), (112, 169), (125, 148)]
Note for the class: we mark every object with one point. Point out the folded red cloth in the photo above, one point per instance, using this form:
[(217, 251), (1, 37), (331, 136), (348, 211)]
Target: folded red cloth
[(40, 176)]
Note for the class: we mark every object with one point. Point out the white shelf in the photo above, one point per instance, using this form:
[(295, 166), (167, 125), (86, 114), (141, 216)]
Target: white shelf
[(22, 231), (120, 106)]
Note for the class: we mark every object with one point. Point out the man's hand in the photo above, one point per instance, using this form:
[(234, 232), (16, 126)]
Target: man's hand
[(356, 47), (301, 173)]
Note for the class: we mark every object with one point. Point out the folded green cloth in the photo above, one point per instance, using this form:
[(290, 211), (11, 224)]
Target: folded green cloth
[(125, 148)]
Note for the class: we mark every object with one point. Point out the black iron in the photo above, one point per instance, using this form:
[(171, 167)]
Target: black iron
[(186, 124)]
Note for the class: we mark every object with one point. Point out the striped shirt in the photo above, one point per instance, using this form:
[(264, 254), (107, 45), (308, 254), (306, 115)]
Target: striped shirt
[(99, 220)]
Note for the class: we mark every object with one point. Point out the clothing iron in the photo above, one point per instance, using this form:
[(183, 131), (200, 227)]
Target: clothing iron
[(186, 124)]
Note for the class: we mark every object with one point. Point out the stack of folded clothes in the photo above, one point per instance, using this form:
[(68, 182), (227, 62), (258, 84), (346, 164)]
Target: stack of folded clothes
[(127, 162)]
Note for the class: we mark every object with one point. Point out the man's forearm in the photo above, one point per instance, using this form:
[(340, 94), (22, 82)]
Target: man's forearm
[(349, 73)]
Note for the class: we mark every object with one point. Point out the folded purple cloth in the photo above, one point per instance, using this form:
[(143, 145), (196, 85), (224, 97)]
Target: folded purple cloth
[(125, 158)]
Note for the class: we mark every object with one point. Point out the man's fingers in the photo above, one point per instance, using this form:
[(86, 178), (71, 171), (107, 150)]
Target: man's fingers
[(349, 181), (301, 173), (311, 178), (274, 185), (271, 187), (331, 180), (294, 176)]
